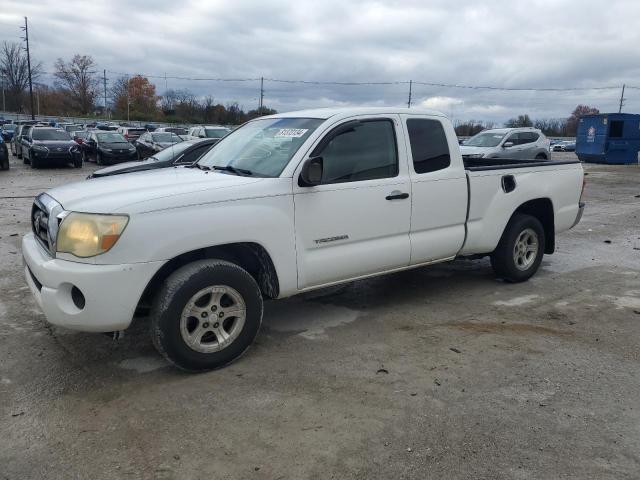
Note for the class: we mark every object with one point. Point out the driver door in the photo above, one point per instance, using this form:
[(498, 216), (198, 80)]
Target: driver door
[(357, 221)]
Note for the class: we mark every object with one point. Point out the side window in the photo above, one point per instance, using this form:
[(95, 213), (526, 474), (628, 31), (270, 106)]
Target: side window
[(513, 138), (429, 147), (528, 137), (361, 150), (193, 155)]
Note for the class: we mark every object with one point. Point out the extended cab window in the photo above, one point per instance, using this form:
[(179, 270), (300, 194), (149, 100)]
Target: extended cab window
[(429, 147), (360, 150)]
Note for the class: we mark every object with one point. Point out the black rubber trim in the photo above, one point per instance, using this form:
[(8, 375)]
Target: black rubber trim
[(494, 165)]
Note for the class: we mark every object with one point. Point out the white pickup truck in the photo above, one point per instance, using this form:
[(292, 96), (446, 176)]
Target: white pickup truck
[(282, 205)]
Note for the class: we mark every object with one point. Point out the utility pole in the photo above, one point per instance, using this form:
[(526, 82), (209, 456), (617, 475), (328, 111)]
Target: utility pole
[(4, 108), (104, 82), (128, 102), (261, 95), (26, 38), (621, 99), (410, 85), (165, 83), (38, 100)]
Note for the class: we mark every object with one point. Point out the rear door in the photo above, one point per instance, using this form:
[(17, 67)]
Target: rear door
[(356, 222), (439, 190), (515, 151)]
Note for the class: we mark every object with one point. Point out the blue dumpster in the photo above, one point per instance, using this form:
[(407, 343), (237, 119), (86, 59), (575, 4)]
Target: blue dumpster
[(609, 138)]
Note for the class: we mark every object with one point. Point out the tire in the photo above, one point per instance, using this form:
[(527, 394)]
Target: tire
[(99, 158), (510, 260), (541, 156), (78, 162), (34, 163), (5, 161), (171, 325)]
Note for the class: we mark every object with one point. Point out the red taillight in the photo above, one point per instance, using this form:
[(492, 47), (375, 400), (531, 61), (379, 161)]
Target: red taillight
[(126, 135)]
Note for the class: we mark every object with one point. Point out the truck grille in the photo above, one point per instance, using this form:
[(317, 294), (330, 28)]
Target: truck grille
[(45, 230), (40, 225)]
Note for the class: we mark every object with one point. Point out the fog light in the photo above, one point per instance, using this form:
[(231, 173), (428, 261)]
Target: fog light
[(78, 297)]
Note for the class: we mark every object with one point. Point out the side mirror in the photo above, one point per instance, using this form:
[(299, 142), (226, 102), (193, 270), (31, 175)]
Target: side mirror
[(311, 174), (507, 144)]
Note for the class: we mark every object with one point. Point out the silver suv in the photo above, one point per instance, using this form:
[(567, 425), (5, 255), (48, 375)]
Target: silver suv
[(518, 143)]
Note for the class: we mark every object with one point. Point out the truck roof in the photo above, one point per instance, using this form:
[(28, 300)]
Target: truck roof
[(324, 113)]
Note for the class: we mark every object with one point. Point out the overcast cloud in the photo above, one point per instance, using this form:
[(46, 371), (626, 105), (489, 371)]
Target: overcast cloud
[(498, 43)]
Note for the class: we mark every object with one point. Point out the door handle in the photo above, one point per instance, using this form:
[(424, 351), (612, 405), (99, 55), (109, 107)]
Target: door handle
[(397, 195)]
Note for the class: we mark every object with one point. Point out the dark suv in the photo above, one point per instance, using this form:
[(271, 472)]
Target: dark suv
[(50, 145), (107, 148)]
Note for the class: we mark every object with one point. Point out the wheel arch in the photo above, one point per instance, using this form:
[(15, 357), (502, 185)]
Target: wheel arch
[(542, 209), (250, 256)]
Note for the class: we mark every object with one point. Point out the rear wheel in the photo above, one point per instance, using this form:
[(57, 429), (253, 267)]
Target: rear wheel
[(206, 315), (78, 162), (520, 250), (541, 156)]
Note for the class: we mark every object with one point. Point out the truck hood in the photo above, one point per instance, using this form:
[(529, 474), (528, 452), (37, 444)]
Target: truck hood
[(149, 190)]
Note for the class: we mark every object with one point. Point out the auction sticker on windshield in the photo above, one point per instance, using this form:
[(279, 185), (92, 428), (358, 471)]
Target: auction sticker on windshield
[(291, 132)]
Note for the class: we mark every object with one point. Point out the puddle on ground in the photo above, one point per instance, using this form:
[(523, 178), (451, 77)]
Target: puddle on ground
[(309, 319), (516, 301), (143, 364)]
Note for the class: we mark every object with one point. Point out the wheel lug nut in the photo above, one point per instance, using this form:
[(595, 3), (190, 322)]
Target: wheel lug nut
[(221, 314), (214, 308), (205, 325), (216, 325), (204, 314)]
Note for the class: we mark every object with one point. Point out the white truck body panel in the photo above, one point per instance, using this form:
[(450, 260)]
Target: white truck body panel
[(314, 236)]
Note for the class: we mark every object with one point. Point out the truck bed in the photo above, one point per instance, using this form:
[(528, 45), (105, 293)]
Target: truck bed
[(481, 164)]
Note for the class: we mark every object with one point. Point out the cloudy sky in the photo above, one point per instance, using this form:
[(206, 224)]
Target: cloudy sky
[(507, 44)]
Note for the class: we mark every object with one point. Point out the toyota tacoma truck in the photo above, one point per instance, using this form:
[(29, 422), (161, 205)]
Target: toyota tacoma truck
[(285, 204)]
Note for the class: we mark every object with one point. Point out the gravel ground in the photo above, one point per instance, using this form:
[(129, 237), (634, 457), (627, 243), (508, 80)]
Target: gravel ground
[(440, 372)]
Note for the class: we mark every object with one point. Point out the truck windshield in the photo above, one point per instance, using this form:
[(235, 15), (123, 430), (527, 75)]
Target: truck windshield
[(262, 147), (485, 139)]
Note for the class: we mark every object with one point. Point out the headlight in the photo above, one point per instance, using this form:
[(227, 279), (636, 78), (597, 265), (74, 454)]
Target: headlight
[(108, 150), (88, 235), (40, 148)]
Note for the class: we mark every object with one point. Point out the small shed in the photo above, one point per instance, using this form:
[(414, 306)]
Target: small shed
[(609, 138)]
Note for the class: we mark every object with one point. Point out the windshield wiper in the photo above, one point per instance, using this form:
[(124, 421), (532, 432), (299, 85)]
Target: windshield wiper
[(229, 168), (197, 165)]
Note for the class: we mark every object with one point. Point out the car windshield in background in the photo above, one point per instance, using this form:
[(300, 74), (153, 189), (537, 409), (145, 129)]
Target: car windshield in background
[(485, 140), (164, 137), (10, 127), (169, 152), (215, 132), (177, 131), (262, 147), (47, 134), (110, 138)]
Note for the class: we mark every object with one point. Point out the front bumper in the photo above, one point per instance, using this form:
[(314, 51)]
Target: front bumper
[(117, 157), (110, 292), (581, 206)]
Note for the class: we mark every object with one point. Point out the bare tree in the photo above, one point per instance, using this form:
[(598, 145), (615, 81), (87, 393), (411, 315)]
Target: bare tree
[(79, 79), (15, 72)]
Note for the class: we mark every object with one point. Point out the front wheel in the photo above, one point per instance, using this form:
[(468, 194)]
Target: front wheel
[(206, 315), (520, 250), (78, 162), (99, 159)]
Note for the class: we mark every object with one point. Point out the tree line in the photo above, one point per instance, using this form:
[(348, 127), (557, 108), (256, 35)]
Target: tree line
[(78, 91), (551, 127)]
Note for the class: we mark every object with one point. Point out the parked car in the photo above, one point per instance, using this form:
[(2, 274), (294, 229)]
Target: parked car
[(4, 155), (177, 130), (285, 204), (20, 143), (73, 128), (183, 153), (513, 143), (208, 132), (151, 143), (570, 146), (80, 136), (48, 145), (131, 133), (106, 148), (107, 127), (15, 140), (7, 131), (564, 146)]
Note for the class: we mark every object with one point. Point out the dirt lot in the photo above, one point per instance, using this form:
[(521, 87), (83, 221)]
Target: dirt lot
[(441, 372)]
